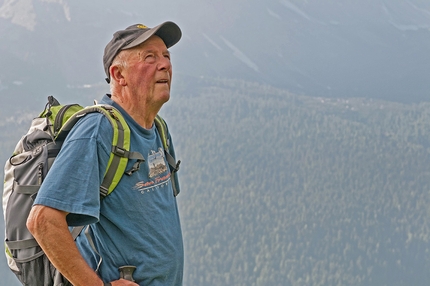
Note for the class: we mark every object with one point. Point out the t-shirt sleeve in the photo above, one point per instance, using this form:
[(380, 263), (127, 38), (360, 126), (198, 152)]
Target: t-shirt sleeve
[(73, 182)]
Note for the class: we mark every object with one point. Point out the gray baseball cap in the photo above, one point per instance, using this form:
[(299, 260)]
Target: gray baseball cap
[(136, 34)]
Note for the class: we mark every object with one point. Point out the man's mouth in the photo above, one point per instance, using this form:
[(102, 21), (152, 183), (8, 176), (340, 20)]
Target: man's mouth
[(162, 81)]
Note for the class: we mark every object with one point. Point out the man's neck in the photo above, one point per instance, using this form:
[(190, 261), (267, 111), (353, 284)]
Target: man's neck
[(143, 114)]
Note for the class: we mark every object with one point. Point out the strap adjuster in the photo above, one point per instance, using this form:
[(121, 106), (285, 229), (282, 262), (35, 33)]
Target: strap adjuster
[(119, 151), (103, 191)]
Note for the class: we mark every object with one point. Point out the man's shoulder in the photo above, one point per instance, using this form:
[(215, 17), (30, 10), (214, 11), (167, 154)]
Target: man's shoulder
[(92, 125)]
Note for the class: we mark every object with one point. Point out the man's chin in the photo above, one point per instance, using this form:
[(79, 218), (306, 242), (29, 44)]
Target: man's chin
[(165, 97)]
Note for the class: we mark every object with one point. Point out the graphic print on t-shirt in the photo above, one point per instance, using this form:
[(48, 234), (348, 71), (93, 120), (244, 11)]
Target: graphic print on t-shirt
[(157, 173), (156, 163)]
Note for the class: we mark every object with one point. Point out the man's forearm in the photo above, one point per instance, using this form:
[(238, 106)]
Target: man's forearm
[(50, 229)]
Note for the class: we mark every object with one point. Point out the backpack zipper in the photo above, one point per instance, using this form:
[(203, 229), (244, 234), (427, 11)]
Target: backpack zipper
[(40, 174)]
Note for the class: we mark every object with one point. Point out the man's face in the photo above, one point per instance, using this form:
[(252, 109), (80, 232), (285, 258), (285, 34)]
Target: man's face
[(149, 72)]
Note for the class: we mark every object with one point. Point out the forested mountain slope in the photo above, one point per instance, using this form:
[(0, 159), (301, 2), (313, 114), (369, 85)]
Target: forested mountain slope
[(280, 189), (283, 189)]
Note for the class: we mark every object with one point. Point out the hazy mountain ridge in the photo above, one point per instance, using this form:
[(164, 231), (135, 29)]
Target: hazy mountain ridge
[(374, 49), (22, 13)]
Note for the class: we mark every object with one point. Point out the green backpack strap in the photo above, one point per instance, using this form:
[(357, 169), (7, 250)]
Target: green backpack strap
[(161, 126), (57, 115), (120, 153), (162, 130), (64, 117)]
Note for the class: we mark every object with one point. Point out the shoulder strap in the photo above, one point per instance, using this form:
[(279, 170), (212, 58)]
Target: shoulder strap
[(174, 166), (120, 153), (162, 130)]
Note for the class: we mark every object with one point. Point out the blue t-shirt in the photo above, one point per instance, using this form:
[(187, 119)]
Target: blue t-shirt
[(138, 223)]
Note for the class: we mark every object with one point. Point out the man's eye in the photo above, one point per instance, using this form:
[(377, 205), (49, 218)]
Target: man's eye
[(149, 58)]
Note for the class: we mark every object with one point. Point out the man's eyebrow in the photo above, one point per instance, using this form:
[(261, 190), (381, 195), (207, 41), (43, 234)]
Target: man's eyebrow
[(150, 51)]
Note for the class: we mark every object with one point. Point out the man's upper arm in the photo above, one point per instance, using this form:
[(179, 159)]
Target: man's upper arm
[(73, 182), (43, 218)]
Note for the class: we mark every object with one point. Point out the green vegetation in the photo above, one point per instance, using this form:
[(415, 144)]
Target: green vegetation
[(282, 189)]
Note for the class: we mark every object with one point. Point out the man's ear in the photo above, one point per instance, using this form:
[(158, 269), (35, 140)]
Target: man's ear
[(116, 75)]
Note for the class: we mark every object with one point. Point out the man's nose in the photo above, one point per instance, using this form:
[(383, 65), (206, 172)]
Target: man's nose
[(164, 64)]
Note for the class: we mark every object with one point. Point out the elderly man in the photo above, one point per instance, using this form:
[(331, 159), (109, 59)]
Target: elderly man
[(138, 223)]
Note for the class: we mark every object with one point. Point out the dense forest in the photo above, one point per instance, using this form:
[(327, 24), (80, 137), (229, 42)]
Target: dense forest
[(285, 189)]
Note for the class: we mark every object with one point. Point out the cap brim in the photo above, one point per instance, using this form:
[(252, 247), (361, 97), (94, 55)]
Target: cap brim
[(169, 32)]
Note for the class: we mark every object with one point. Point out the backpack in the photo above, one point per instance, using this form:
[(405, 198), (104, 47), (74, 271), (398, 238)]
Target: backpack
[(28, 166)]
